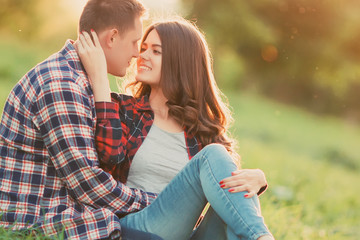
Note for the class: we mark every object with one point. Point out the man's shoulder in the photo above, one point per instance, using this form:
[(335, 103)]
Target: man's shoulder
[(53, 66), (61, 67), (57, 66), (39, 76)]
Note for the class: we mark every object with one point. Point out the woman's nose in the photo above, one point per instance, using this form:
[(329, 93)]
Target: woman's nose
[(144, 55)]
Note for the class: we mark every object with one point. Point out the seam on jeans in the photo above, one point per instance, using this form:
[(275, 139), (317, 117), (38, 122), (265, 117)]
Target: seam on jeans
[(213, 176)]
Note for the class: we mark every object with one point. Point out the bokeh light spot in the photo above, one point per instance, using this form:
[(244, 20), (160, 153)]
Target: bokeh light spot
[(269, 53)]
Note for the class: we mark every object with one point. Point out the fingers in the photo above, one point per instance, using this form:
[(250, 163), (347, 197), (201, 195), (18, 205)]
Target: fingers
[(76, 45), (237, 172), (85, 45), (79, 47), (238, 188), (250, 194), (242, 181), (83, 39), (88, 40), (95, 37), (232, 182), (248, 175), (244, 188), (238, 175)]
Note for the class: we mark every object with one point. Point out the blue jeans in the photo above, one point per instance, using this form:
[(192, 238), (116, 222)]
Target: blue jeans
[(131, 234), (175, 211)]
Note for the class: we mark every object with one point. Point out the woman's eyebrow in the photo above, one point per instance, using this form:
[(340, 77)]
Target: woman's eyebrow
[(156, 45)]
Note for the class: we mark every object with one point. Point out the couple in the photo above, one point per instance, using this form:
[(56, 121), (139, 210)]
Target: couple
[(54, 121)]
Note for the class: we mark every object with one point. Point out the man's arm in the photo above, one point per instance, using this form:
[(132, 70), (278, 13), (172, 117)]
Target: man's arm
[(65, 122)]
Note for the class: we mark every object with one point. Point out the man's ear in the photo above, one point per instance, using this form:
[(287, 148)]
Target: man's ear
[(110, 37)]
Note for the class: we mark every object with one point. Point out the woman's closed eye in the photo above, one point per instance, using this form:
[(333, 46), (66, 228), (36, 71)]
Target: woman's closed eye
[(157, 52)]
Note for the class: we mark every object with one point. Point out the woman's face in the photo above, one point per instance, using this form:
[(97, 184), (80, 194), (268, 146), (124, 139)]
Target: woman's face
[(149, 61)]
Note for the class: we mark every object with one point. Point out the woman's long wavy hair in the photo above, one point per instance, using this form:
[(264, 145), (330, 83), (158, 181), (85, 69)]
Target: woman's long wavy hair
[(187, 81)]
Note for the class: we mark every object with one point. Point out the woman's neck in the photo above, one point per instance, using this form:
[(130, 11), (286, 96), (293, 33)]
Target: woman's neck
[(158, 103), (161, 112)]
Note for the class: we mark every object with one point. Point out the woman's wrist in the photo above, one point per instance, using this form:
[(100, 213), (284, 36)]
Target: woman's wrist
[(102, 93), (102, 97), (101, 89)]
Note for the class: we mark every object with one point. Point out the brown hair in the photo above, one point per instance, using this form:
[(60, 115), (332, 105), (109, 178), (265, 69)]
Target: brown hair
[(102, 14), (187, 81)]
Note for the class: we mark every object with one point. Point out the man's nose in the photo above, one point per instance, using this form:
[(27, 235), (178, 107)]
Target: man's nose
[(136, 53)]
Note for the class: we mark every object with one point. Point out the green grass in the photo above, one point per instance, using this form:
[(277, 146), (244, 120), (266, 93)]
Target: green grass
[(312, 163), (18, 235)]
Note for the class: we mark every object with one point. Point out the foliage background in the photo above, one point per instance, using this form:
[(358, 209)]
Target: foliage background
[(290, 69), (302, 52)]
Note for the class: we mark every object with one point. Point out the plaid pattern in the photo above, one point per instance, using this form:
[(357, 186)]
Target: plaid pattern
[(49, 173), (122, 127)]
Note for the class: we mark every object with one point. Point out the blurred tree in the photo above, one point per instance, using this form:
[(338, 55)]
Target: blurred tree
[(305, 52), (19, 16), (40, 21)]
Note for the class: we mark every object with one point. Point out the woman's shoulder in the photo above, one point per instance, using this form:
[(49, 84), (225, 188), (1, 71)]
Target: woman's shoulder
[(123, 98)]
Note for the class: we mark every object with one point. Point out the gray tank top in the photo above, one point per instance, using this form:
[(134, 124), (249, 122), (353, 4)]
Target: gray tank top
[(160, 157)]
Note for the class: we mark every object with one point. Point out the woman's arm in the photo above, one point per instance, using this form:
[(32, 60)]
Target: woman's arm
[(93, 59), (110, 136), (251, 180), (111, 133)]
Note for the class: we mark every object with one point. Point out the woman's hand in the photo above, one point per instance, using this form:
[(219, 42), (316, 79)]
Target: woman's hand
[(93, 59), (250, 180)]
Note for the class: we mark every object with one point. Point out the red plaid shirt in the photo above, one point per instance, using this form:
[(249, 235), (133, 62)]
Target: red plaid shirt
[(49, 173), (122, 126)]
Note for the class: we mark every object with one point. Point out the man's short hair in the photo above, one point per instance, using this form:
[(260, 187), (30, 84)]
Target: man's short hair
[(100, 15)]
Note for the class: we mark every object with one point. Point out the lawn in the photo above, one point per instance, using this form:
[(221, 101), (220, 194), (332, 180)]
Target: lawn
[(311, 162)]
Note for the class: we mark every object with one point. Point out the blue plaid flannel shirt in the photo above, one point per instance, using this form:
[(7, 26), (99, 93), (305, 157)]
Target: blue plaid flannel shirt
[(49, 173)]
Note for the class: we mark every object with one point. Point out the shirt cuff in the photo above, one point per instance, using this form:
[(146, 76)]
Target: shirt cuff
[(107, 110), (262, 190)]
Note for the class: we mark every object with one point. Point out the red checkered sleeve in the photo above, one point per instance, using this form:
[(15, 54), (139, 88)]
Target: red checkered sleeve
[(66, 123), (111, 135)]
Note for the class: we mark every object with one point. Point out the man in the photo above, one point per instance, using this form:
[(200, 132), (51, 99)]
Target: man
[(49, 174)]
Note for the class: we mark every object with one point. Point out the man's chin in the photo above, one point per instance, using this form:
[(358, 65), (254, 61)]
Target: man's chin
[(118, 74)]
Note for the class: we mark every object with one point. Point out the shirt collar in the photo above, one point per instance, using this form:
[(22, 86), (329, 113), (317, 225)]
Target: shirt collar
[(143, 104), (72, 57)]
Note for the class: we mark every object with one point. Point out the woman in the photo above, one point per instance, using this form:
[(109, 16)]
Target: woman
[(178, 111)]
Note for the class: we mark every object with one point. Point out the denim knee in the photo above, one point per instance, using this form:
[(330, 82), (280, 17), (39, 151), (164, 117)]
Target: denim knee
[(214, 147), (216, 152)]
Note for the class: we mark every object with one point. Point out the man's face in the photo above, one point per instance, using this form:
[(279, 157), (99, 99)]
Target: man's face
[(125, 48)]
